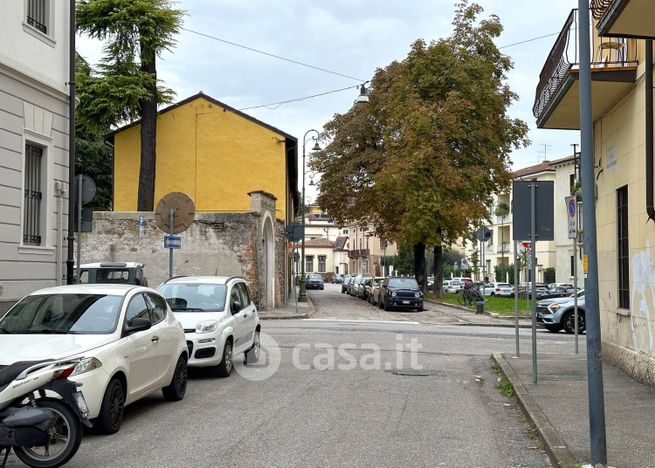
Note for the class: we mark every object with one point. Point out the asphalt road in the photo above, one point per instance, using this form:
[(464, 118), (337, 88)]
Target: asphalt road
[(334, 392)]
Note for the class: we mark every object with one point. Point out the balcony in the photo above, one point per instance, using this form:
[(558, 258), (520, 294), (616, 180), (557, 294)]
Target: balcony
[(361, 253), (628, 18), (502, 249), (613, 73)]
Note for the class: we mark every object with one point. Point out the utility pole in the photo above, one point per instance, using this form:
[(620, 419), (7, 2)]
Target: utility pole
[(594, 359)]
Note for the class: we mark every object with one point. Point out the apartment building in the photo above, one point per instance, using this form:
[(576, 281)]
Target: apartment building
[(622, 112), (34, 101)]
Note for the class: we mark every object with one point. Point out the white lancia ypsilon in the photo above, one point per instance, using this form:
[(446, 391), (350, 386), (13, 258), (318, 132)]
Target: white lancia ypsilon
[(131, 343)]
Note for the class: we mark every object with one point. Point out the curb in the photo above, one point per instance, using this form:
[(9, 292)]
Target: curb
[(557, 450), (488, 314), (283, 317)]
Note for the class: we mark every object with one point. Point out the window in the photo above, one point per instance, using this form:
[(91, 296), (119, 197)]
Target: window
[(309, 263), (321, 263), (245, 295), (37, 14), (571, 182), (33, 196), (157, 307), (622, 247), (136, 309), (234, 298), (572, 265)]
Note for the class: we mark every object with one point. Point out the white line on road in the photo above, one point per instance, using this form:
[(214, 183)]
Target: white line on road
[(360, 321)]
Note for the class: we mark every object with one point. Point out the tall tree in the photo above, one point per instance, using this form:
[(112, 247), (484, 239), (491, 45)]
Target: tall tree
[(136, 33), (423, 158), (92, 155)]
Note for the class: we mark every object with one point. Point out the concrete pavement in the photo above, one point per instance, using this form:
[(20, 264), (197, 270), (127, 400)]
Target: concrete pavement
[(291, 310), (558, 406)]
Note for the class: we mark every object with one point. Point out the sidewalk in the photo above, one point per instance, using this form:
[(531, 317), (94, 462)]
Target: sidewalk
[(558, 406), (288, 311), (469, 317)]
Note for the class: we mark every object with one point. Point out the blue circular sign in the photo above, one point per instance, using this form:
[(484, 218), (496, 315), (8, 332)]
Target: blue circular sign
[(572, 207)]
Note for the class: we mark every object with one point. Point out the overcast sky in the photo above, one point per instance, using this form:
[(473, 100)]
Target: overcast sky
[(351, 37)]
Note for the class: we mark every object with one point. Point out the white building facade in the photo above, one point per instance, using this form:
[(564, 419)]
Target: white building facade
[(34, 97)]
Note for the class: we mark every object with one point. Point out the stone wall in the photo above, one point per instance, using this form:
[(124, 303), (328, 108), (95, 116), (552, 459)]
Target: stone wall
[(222, 244)]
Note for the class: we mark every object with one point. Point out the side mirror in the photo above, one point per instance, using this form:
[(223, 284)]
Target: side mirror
[(235, 306), (136, 325)]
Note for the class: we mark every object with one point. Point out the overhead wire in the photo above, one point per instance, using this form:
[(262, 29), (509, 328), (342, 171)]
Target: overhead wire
[(276, 105)]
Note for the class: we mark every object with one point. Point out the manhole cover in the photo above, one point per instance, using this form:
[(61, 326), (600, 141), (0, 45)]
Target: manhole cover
[(415, 372)]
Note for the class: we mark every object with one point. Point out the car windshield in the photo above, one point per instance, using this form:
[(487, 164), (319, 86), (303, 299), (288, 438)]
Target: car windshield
[(63, 314), (316, 277), (194, 297), (403, 283)]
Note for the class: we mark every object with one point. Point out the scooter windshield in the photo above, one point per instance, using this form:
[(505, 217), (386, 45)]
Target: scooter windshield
[(63, 314)]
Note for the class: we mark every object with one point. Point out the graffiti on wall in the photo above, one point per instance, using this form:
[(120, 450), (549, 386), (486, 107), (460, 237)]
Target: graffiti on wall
[(642, 300)]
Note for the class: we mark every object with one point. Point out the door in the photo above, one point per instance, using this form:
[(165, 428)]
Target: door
[(139, 350), (165, 348), (239, 325), (249, 314)]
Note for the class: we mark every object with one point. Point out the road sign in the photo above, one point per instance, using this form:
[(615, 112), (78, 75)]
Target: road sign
[(294, 232), (571, 214), (172, 242), (88, 188), (522, 210), (483, 234)]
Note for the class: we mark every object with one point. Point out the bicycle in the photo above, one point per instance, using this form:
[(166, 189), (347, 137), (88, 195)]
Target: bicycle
[(469, 296)]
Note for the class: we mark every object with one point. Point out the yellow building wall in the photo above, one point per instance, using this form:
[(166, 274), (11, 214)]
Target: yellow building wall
[(620, 153), (210, 153)]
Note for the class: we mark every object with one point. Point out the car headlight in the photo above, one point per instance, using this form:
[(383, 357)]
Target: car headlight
[(393, 294), (86, 365), (553, 307), (418, 294), (207, 326)]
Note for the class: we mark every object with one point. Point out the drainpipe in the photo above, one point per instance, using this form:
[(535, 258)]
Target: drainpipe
[(650, 209), (71, 146)]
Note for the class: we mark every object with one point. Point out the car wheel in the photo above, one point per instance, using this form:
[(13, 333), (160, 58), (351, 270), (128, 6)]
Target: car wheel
[(111, 410), (177, 388), (553, 328), (569, 322), (492, 294), (252, 355), (224, 369)]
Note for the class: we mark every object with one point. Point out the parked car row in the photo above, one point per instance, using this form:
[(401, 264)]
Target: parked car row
[(557, 314), (386, 293), (132, 340)]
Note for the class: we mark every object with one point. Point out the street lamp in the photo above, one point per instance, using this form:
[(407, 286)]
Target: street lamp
[(302, 294)]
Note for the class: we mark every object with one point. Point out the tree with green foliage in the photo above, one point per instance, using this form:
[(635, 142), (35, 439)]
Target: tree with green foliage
[(421, 161), (125, 88), (92, 155)]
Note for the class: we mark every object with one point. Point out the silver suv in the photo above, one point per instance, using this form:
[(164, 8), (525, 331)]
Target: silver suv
[(558, 314)]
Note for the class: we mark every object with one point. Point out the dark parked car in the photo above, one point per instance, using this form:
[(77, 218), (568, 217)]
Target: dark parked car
[(364, 287), (314, 281), (400, 293), (552, 293), (337, 278)]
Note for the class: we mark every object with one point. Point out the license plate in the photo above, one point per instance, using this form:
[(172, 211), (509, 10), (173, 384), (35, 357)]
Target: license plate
[(81, 403), (405, 302)]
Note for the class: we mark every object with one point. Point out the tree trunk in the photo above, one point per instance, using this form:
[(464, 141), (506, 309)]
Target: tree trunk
[(419, 264), (438, 270), (146, 196)]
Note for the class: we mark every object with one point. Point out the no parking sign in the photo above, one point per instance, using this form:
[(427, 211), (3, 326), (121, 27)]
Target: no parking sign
[(571, 213)]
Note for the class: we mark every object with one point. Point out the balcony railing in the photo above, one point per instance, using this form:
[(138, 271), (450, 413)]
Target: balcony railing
[(600, 7), (361, 253), (606, 53), (501, 249)]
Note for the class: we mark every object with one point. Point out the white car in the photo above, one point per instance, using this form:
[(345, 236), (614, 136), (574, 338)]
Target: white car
[(454, 286), (220, 319), (130, 342), (498, 289)]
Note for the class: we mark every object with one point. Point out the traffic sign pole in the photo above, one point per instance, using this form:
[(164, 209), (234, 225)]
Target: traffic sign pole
[(171, 215), (516, 298)]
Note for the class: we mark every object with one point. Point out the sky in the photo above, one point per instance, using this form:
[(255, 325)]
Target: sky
[(348, 37)]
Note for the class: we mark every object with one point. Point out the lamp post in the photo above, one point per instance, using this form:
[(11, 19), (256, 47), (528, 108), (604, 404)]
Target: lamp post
[(302, 294)]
